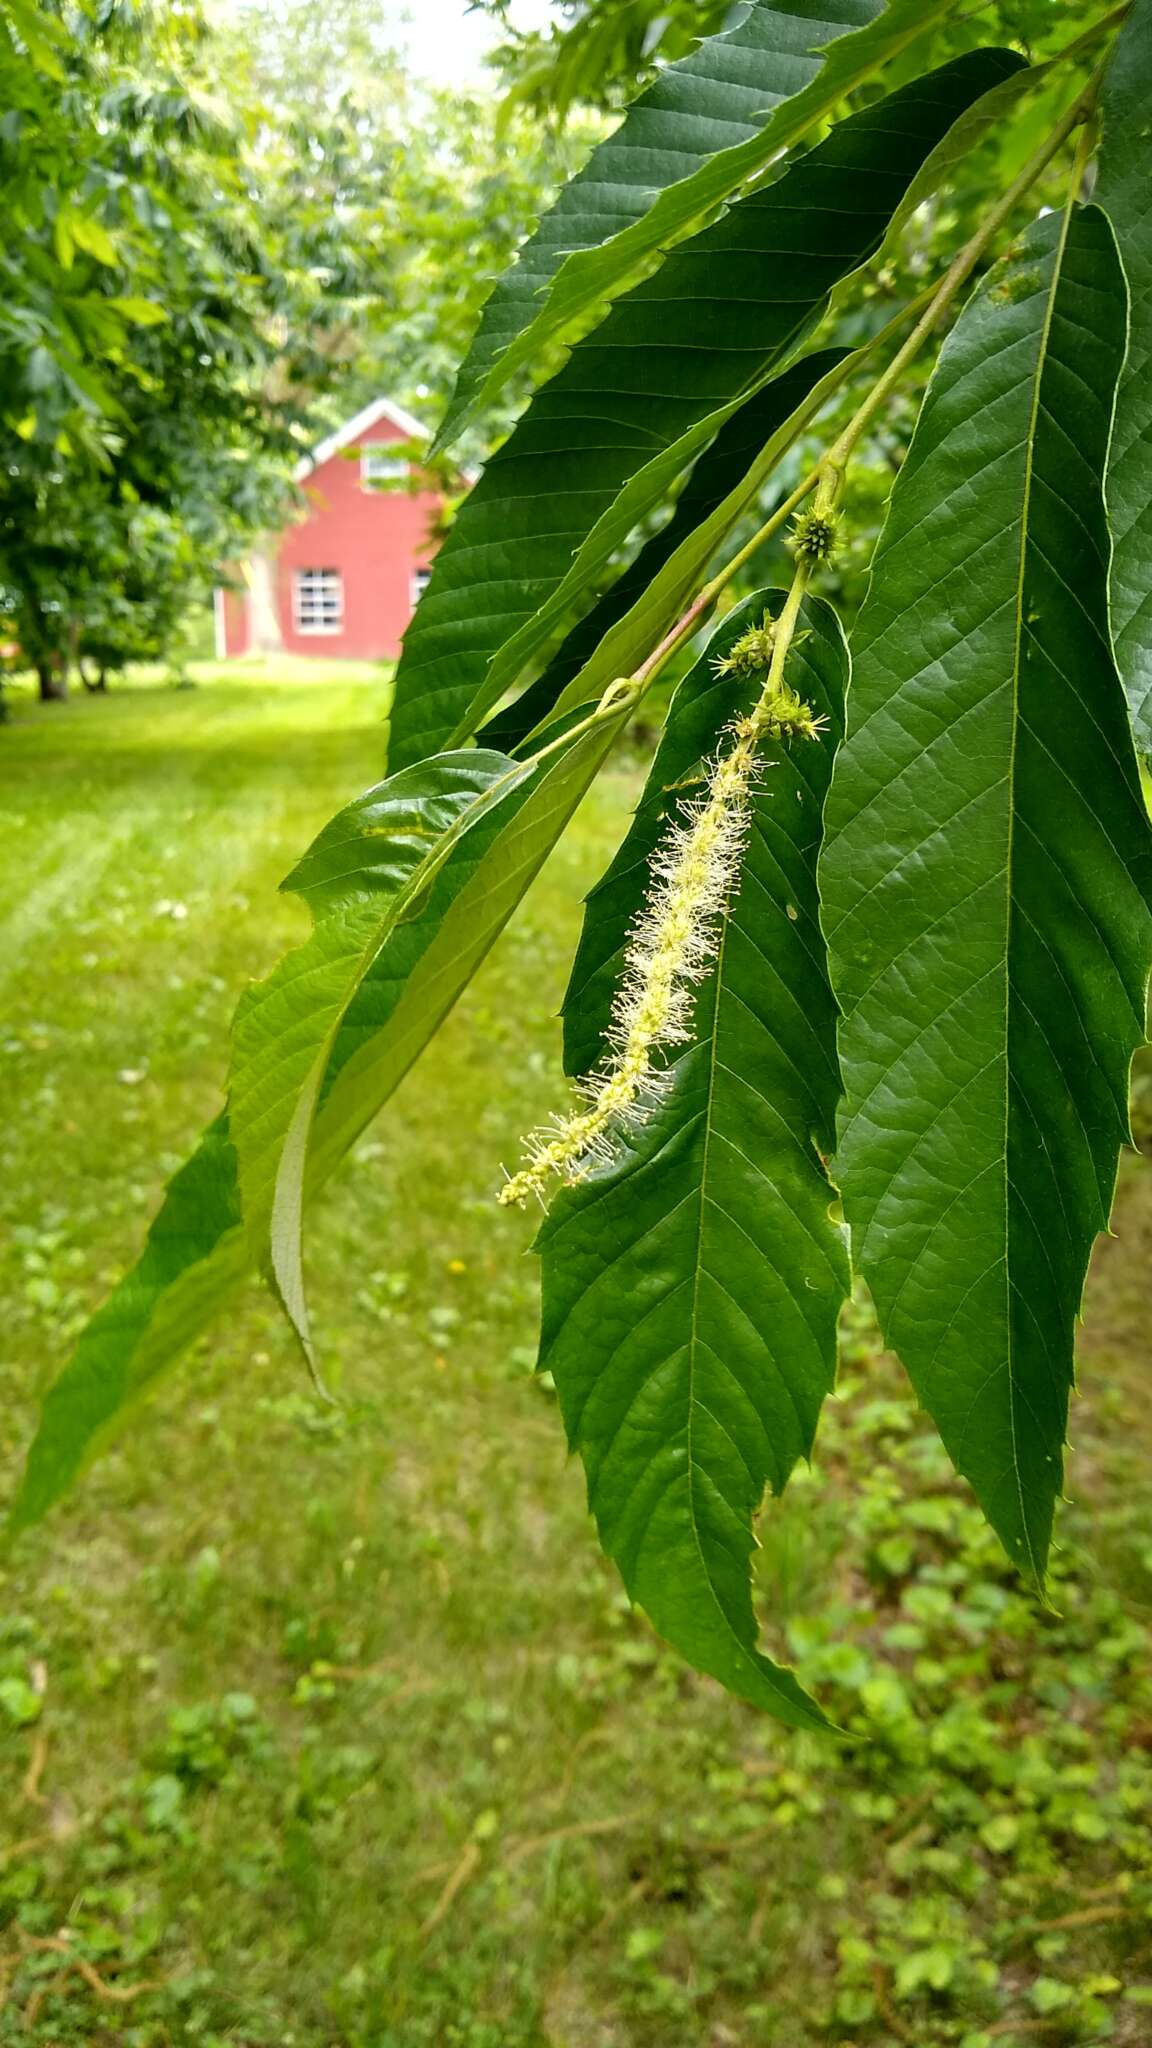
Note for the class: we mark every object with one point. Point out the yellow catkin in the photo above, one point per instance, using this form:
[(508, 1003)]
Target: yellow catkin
[(670, 949)]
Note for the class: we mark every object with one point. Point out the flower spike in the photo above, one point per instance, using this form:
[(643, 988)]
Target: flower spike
[(674, 940)]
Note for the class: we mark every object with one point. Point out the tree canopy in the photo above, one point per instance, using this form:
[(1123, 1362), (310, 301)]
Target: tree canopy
[(206, 259)]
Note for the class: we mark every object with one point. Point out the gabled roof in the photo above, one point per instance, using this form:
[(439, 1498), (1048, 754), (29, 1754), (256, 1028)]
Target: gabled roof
[(380, 409)]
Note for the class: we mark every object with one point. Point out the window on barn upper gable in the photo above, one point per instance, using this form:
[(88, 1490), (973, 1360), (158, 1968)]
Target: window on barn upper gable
[(381, 466), (318, 600)]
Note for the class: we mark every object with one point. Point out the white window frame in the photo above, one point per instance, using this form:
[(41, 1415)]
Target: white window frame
[(318, 601), (418, 584), (379, 463)]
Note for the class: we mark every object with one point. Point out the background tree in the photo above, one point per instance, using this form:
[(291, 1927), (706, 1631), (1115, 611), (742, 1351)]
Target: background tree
[(209, 255), (600, 51), (139, 320), (425, 192)]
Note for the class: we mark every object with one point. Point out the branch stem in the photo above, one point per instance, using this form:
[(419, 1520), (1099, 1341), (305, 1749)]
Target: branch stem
[(783, 637), (833, 462), (686, 625), (952, 283), (1092, 35)]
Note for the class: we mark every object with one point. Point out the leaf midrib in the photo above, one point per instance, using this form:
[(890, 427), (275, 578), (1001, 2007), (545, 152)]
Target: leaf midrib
[(1009, 861), (695, 1340), (288, 1187)]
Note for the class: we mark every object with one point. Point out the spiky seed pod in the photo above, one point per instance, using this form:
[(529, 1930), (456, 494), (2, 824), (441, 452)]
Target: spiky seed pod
[(783, 715), (751, 655), (814, 536)]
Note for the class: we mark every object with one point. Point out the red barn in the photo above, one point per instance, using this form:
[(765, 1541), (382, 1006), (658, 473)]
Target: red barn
[(343, 580)]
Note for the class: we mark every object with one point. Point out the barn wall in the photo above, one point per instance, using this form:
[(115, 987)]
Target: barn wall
[(235, 608), (377, 539)]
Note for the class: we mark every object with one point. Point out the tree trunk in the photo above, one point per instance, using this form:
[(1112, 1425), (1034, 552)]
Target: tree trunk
[(99, 688), (53, 683)]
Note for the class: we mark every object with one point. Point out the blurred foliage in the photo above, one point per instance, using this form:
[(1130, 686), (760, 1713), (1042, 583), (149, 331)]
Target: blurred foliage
[(598, 53), (403, 202)]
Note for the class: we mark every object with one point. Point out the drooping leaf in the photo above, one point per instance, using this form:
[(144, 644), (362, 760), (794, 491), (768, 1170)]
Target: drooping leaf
[(625, 645), (676, 159), (194, 1260), (408, 889), (358, 880), (1125, 192), (199, 1251), (987, 875), (716, 475), (692, 1286), (634, 613), (637, 401), (417, 978)]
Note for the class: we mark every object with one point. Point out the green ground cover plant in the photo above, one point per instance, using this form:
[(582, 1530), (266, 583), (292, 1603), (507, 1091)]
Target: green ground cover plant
[(296, 1746)]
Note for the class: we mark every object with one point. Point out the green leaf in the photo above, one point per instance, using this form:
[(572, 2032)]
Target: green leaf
[(429, 960), (987, 875), (774, 56), (140, 312), (642, 628), (408, 888), (1125, 192), (635, 403), (193, 1262), (726, 479), (705, 106), (692, 1286), (358, 880), (718, 472), (91, 236)]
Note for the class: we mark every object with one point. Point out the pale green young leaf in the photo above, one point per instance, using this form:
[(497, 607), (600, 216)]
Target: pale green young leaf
[(93, 237), (604, 442), (140, 312), (987, 875), (409, 888), (692, 1285), (1124, 191)]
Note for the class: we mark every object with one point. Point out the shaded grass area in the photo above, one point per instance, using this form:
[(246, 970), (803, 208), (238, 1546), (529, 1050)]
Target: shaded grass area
[(328, 1727)]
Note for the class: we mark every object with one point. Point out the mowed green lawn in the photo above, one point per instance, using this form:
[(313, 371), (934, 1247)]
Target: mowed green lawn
[(328, 1726)]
